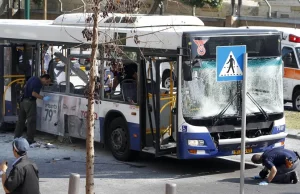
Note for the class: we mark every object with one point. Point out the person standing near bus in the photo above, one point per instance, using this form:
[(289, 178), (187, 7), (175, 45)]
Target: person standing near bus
[(28, 106), (23, 178), (280, 164)]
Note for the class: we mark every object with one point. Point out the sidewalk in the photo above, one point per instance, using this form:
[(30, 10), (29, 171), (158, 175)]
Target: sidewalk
[(293, 133)]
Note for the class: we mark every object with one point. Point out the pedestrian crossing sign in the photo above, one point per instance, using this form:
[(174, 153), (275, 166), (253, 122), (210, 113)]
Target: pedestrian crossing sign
[(230, 63)]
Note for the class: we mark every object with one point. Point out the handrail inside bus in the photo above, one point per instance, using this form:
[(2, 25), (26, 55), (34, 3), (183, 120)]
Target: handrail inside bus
[(14, 76), (20, 81), (165, 105)]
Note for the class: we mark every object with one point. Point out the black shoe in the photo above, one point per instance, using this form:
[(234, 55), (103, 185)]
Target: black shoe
[(294, 177)]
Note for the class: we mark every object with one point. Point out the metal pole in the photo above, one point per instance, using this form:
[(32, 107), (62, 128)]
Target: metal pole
[(170, 188), (270, 9), (161, 6), (27, 9), (243, 136), (232, 7), (1, 81), (194, 10), (239, 7), (45, 9), (37, 63), (74, 183), (19, 9)]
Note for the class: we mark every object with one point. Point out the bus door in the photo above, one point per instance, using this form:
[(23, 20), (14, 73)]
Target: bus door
[(11, 80), (160, 103)]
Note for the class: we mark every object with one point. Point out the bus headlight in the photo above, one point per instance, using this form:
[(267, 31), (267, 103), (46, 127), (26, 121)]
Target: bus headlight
[(195, 142)]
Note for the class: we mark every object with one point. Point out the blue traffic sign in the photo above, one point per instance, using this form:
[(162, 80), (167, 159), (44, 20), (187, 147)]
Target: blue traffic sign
[(230, 63)]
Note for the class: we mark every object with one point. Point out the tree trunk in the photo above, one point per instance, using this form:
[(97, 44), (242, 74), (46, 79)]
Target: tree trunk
[(91, 102), (154, 6)]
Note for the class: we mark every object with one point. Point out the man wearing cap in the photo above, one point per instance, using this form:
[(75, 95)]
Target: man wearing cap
[(279, 163), (23, 178)]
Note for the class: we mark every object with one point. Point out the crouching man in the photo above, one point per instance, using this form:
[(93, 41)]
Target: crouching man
[(23, 178), (280, 165)]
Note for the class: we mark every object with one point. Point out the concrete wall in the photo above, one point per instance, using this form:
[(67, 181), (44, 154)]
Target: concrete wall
[(280, 8)]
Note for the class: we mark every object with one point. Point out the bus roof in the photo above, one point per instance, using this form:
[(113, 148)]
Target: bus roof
[(290, 36), (129, 21), (281, 29), (152, 31)]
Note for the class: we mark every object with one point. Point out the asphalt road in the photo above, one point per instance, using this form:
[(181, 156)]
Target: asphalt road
[(148, 175)]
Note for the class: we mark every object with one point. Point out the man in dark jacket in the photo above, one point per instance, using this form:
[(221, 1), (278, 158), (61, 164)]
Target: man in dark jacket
[(280, 164), (23, 178)]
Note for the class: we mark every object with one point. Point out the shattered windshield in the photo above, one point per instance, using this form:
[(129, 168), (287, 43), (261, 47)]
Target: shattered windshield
[(205, 97)]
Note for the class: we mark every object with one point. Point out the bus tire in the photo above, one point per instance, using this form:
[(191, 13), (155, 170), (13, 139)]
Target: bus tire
[(296, 101), (119, 140)]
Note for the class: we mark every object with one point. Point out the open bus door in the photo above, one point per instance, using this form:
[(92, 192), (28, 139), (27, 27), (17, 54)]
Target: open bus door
[(12, 79), (160, 102)]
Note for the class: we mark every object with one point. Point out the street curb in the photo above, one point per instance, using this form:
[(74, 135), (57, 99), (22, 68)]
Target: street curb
[(293, 136)]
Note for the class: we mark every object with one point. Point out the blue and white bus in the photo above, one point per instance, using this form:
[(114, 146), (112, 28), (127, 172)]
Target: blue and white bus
[(195, 117)]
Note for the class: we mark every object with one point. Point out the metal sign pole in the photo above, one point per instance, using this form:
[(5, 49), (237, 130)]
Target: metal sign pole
[(243, 134)]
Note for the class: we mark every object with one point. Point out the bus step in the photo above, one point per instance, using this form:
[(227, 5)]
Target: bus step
[(150, 150), (169, 145)]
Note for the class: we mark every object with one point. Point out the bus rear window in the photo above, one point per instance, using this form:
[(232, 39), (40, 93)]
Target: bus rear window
[(257, 46)]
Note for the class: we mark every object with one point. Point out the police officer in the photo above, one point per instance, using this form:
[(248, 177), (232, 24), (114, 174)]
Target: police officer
[(279, 163), (23, 178), (28, 106)]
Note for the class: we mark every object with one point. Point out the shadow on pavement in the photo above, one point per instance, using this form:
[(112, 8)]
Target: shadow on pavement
[(248, 181)]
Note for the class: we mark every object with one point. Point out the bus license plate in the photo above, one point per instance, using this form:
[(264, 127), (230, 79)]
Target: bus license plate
[(238, 152)]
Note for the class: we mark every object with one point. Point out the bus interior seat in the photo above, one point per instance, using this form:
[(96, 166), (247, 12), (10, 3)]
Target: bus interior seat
[(51, 88), (79, 89), (62, 87), (129, 90)]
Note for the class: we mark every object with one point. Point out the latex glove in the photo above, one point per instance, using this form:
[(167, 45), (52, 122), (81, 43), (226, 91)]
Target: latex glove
[(257, 177), (46, 98), (263, 183)]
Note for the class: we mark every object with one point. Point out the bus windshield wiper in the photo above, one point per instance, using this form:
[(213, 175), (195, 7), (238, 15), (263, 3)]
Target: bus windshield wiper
[(259, 107), (217, 118)]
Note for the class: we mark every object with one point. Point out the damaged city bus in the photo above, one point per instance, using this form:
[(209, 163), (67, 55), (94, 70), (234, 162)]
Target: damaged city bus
[(199, 118)]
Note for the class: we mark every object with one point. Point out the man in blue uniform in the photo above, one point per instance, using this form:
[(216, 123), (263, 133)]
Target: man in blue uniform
[(279, 163), (28, 106)]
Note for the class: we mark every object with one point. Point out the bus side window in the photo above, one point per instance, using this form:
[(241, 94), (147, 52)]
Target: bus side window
[(288, 57)]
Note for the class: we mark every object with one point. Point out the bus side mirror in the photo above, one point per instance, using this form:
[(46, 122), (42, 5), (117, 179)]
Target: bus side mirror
[(187, 72)]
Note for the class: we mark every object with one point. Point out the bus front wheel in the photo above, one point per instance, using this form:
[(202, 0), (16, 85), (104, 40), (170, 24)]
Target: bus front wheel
[(119, 140), (296, 101)]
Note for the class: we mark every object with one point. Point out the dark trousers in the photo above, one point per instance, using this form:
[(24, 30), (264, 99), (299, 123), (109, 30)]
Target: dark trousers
[(283, 174), (27, 112)]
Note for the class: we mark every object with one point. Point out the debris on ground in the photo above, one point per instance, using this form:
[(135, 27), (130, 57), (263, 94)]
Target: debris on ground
[(49, 145), (35, 145), (39, 144), (54, 160)]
